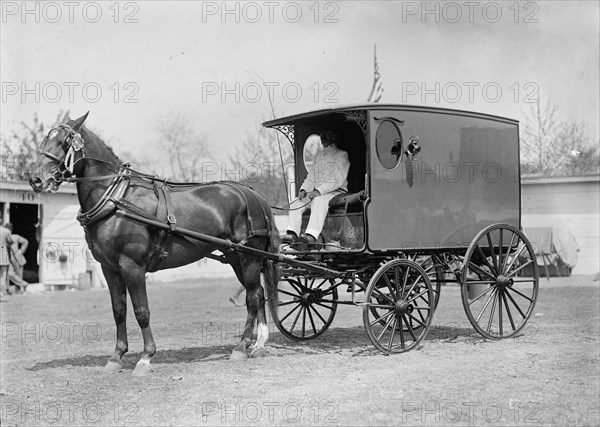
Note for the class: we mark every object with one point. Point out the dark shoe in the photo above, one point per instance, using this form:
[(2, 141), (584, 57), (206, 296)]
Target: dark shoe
[(289, 238), (307, 238)]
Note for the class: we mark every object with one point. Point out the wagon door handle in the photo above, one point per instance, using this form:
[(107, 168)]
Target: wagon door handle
[(413, 148)]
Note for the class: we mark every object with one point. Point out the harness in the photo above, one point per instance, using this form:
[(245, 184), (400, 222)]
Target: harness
[(258, 222)]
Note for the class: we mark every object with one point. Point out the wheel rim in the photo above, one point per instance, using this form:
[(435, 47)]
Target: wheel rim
[(399, 305), (306, 307), (497, 300)]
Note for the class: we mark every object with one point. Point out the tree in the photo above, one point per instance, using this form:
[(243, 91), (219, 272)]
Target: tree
[(258, 164), (20, 148), (184, 149), (554, 147)]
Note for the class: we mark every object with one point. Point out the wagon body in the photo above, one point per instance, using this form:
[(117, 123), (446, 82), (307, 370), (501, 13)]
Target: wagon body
[(465, 177)]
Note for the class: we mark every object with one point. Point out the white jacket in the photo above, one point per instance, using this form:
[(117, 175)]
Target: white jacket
[(329, 172)]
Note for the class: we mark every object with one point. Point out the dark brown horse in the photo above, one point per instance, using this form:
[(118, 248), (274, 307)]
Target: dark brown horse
[(127, 249)]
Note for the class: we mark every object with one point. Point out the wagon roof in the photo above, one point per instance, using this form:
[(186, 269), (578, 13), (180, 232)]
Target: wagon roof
[(307, 116)]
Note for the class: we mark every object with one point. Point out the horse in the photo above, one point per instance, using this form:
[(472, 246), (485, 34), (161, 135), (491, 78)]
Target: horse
[(128, 249)]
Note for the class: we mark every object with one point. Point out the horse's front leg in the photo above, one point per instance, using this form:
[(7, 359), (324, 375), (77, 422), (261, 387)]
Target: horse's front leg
[(118, 296), (135, 279)]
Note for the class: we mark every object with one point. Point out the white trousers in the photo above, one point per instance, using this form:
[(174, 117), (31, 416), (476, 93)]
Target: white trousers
[(318, 212)]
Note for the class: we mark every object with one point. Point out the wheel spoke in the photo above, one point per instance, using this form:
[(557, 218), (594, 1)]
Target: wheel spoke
[(288, 315), (421, 316), (304, 322), (391, 340), (401, 330), (510, 245), (481, 295), (379, 319), (385, 327), (515, 304), (281, 304), (524, 296), (410, 328), (417, 296), (500, 294), (297, 317), (312, 322), (519, 269), (389, 307), (480, 271), (321, 284), (397, 281), (413, 285), (297, 286), (423, 308), (415, 319), (484, 258), (389, 286), (318, 314), (329, 307), (491, 246), (489, 325), (523, 246), (500, 253), (485, 305), (289, 293), (381, 294), (406, 281), (512, 323)]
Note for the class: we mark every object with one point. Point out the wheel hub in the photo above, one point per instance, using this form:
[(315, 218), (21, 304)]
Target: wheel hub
[(504, 281), (310, 297), (403, 307)]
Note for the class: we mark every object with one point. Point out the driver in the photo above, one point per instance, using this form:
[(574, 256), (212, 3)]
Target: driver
[(326, 178)]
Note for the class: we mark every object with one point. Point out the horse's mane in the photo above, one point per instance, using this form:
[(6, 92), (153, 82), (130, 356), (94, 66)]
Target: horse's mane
[(96, 139)]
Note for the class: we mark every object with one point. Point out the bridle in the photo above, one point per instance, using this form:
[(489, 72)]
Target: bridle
[(74, 142)]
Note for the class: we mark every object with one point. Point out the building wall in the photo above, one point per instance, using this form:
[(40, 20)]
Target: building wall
[(575, 201)]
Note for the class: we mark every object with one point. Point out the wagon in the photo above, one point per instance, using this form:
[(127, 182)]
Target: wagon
[(433, 198)]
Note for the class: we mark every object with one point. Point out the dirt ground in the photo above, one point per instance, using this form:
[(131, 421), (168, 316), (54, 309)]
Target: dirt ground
[(55, 344)]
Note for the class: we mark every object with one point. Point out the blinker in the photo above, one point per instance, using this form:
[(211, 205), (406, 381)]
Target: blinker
[(77, 142)]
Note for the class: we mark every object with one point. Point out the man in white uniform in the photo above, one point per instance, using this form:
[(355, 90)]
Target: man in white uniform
[(326, 178)]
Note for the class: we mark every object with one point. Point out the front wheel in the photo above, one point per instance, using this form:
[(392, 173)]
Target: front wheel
[(306, 306), (498, 300), (399, 306)]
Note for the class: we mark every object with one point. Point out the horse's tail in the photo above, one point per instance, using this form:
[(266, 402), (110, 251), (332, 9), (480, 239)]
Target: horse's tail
[(271, 271)]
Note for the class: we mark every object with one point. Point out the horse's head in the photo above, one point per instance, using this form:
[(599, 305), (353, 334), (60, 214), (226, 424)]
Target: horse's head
[(59, 151)]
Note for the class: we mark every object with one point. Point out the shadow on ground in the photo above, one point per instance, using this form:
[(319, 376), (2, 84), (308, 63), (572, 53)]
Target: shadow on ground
[(349, 341)]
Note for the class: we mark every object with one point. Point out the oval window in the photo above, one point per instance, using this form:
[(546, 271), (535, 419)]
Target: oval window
[(389, 144), (311, 148)]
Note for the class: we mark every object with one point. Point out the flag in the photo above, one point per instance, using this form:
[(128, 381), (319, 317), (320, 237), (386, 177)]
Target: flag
[(377, 89)]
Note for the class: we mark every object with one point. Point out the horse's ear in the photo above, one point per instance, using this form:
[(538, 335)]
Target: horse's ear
[(79, 122)]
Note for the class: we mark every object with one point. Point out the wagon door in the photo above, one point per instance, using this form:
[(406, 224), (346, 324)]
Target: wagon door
[(465, 177)]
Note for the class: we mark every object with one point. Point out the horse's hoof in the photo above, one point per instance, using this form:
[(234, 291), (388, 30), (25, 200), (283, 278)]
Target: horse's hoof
[(238, 356), (142, 368), (258, 352), (113, 366)]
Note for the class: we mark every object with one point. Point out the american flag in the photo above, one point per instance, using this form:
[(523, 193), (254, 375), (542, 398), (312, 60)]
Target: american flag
[(377, 89)]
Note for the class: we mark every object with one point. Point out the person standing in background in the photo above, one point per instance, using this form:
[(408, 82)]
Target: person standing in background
[(17, 259), (5, 245)]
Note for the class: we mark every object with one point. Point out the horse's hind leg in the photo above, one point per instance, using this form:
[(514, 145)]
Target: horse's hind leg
[(118, 296), (247, 269), (135, 279)]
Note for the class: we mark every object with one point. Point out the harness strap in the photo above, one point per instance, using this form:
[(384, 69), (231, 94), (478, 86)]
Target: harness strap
[(164, 243), (251, 211)]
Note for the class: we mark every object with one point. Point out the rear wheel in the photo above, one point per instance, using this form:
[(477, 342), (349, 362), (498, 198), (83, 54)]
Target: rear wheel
[(306, 306), (399, 306), (498, 300)]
